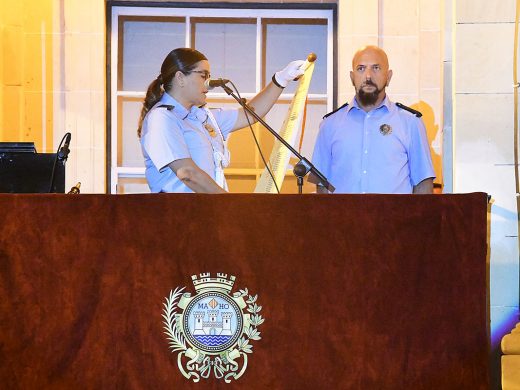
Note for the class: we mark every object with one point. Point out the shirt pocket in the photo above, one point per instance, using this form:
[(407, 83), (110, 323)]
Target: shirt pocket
[(195, 140)]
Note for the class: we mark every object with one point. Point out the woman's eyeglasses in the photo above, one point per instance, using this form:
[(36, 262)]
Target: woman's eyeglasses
[(203, 73)]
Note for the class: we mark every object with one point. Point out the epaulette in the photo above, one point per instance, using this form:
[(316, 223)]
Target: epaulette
[(337, 109), (167, 106), (415, 112)]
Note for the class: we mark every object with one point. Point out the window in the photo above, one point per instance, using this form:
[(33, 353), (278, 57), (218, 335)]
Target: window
[(243, 48)]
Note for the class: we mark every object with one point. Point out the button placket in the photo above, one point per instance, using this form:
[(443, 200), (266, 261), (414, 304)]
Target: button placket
[(364, 156)]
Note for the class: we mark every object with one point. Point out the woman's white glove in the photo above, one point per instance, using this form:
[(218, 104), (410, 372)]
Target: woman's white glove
[(293, 70)]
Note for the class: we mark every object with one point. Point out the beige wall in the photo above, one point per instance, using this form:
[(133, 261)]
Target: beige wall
[(52, 78), (483, 140), (483, 137), (79, 88), (74, 37), (53, 81), (26, 77)]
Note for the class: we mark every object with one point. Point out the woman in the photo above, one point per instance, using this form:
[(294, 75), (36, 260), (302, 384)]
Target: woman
[(182, 140)]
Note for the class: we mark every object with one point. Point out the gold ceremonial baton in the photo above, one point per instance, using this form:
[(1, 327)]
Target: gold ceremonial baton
[(280, 155)]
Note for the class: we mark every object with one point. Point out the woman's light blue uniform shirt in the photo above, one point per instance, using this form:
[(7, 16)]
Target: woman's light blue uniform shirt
[(173, 134)]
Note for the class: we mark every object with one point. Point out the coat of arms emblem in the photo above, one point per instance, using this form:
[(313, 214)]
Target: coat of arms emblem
[(385, 129), (210, 329)]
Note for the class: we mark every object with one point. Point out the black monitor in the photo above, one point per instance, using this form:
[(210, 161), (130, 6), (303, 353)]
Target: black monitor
[(17, 147), (22, 170)]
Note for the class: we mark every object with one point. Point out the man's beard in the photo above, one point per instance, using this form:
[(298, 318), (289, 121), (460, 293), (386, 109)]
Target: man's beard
[(368, 98)]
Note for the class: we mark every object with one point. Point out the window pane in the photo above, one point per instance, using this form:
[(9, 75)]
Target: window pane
[(146, 43), (242, 183), (315, 112), (132, 185), (230, 43), (288, 40), (241, 144), (230, 46), (129, 153)]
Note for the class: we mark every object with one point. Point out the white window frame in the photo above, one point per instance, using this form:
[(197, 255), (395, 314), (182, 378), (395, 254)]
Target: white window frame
[(117, 172)]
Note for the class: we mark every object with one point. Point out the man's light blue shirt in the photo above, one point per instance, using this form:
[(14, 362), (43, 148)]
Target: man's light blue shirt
[(174, 133), (357, 154)]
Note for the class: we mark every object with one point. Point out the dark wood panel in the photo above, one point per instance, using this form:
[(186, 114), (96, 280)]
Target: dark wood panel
[(358, 291)]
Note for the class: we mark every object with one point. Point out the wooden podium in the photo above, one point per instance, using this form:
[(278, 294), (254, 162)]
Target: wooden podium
[(358, 291)]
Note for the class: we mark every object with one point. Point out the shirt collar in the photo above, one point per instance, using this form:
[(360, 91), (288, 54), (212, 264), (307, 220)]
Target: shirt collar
[(385, 103), (181, 111)]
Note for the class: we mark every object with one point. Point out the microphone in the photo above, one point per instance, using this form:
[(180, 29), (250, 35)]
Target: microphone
[(212, 83), (63, 153)]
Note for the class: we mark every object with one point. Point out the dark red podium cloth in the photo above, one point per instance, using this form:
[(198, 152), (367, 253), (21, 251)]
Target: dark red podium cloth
[(358, 291)]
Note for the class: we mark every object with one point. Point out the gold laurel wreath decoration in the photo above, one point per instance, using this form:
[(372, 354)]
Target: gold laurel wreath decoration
[(176, 338)]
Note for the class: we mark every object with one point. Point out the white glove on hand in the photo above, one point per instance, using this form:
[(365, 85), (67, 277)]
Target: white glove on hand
[(290, 72)]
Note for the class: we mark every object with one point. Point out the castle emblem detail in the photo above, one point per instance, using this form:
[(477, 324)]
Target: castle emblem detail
[(212, 329)]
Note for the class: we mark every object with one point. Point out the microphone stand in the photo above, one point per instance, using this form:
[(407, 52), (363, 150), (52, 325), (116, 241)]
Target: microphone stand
[(304, 166)]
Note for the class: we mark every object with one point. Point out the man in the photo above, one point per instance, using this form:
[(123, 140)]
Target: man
[(373, 145)]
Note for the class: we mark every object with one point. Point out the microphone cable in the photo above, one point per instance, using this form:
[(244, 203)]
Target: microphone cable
[(266, 164), (56, 162)]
